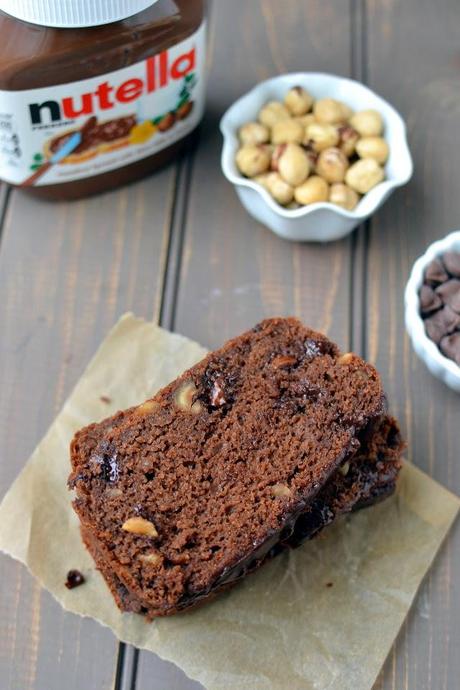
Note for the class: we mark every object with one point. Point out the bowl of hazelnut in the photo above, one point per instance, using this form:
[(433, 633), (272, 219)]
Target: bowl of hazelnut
[(313, 155), (432, 309)]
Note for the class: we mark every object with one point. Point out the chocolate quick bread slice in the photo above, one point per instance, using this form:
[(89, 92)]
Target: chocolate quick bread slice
[(253, 450)]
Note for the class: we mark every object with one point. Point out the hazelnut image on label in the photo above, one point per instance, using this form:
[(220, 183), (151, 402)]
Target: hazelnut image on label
[(166, 122), (184, 110)]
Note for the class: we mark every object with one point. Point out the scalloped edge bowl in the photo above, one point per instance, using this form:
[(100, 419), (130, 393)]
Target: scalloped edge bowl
[(443, 368), (321, 222)]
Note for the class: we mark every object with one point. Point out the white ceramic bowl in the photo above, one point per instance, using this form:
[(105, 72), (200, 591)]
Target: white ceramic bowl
[(321, 222), (440, 366)]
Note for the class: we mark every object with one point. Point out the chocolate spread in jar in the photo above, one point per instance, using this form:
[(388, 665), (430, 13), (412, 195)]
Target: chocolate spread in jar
[(86, 109)]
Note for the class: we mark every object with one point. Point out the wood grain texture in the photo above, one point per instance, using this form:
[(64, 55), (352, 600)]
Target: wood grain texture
[(413, 60), (180, 246), (67, 272), (232, 271)]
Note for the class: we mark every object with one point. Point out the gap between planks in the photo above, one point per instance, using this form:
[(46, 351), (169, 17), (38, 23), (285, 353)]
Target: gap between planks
[(128, 656), (359, 242)]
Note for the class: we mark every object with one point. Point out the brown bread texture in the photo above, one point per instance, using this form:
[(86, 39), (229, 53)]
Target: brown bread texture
[(251, 451)]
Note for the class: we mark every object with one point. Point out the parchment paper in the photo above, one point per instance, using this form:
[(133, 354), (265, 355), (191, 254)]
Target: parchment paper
[(323, 616)]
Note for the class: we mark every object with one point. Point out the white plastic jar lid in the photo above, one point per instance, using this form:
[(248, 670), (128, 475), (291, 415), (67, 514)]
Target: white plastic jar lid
[(73, 13)]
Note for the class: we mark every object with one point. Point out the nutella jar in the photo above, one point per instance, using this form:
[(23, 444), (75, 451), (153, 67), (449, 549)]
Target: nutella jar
[(96, 94)]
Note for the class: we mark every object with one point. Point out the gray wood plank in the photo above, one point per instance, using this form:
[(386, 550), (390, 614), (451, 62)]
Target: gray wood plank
[(234, 272), (413, 62), (67, 272)]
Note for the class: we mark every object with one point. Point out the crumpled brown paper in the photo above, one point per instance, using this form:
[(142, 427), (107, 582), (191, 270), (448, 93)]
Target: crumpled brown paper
[(323, 616)]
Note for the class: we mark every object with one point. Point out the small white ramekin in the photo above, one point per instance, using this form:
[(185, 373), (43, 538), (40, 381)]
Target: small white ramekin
[(321, 222), (441, 367)]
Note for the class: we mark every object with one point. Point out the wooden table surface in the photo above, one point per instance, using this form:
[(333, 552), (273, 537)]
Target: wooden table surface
[(178, 248)]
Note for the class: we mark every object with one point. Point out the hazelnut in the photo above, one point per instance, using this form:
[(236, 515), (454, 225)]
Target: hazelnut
[(298, 100), (281, 490), (305, 120), (343, 469), (345, 358), (321, 136), (254, 133), (184, 398), (262, 180), (344, 196), (368, 123), (332, 164), (139, 525), (313, 190), (293, 165), (184, 110), (147, 407), (281, 191), (166, 122), (152, 558), (364, 174), (373, 147), (286, 131), (283, 361), (276, 155), (331, 112), (252, 160), (312, 156), (272, 112), (113, 492), (348, 138)]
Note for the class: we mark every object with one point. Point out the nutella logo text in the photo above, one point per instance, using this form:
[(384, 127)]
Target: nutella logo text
[(159, 71)]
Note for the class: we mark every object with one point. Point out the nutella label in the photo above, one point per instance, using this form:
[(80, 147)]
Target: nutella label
[(73, 131)]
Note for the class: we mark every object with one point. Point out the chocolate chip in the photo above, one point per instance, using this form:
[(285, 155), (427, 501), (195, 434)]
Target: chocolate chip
[(450, 346), (314, 348), (217, 396), (74, 579), (441, 323), (435, 273), (450, 293), (218, 386), (106, 458), (451, 261), (429, 300)]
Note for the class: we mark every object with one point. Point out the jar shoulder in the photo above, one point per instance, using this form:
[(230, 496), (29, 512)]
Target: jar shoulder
[(32, 56)]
